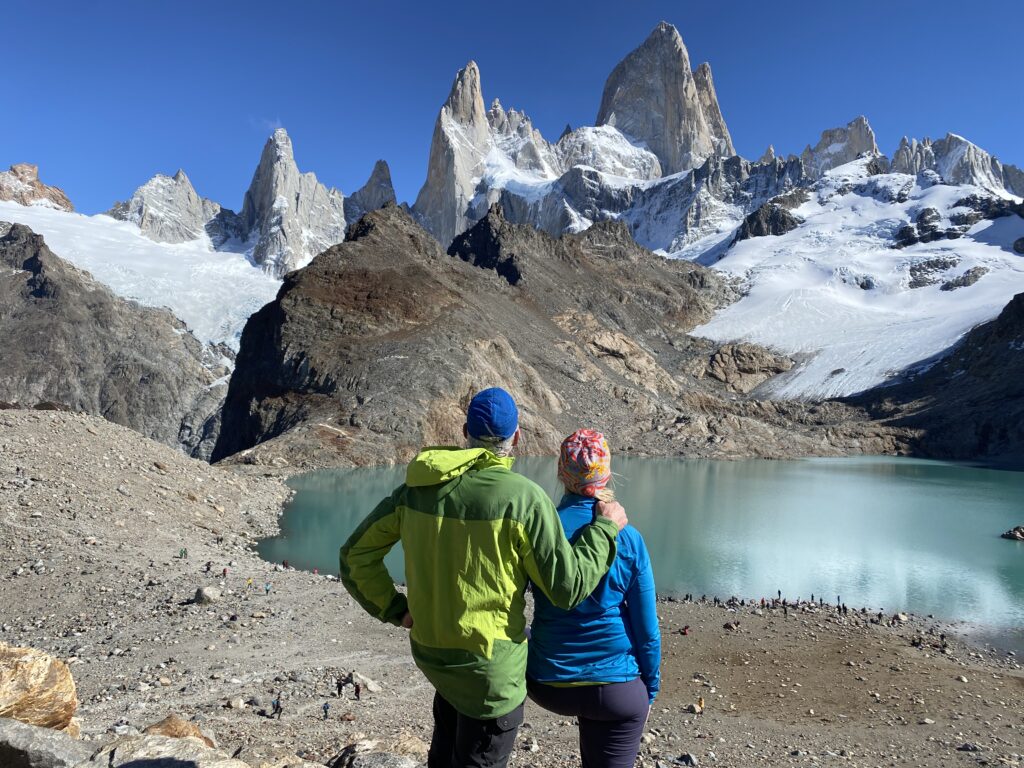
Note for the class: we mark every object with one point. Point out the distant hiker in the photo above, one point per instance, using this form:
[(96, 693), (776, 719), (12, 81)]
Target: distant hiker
[(276, 708), (220, 539), (316, 571), (780, 594), (469, 638), (209, 565), (359, 691), (838, 601), (266, 588), (248, 584), (685, 630), (182, 553), (285, 565), (326, 708), (224, 573), (341, 685)]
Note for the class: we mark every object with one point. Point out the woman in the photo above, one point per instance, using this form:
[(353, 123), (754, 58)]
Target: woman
[(600, 661)]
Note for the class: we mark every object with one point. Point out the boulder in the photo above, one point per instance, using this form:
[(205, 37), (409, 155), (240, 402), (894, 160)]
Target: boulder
[(1015, 534), (1018, 245), (154, 751), (207, 595), (970, 277), (743, 367), (769, 219), (177, 728), (29, 746), (362, 754), (36, 688), (367, 684)]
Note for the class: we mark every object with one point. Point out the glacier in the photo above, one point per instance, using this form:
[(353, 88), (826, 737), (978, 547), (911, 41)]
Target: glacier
[(212, 291)]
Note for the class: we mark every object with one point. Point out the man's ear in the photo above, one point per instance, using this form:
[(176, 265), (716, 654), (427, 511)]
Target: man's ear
[(515, 437)]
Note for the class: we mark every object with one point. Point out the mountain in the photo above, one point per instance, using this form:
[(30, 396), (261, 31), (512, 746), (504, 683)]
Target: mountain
[(287, 216), (21, 184), (657, 117), (881, 271), (458, 147), (167, 209), (970, 403), (957, 161), (839, 146), (653, 98), (212, 290), (70, 341), (373, 349), (377, 192)]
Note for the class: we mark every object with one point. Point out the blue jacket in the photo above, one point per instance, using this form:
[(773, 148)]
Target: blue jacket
[(612, 636)]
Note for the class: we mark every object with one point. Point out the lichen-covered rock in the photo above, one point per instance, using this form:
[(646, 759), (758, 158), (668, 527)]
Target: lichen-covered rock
[(30, 746), (36, 688)]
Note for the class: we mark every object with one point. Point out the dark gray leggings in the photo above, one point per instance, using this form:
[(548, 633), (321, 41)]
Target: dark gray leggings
[(611, 717)]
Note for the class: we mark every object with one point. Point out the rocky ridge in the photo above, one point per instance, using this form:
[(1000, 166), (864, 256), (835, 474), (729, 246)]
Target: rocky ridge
[(969, 404), (21, 184), (70, 342), (287, 216), (587, 326)]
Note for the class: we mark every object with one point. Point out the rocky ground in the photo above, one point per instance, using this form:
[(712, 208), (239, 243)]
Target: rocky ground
[(94, 518)]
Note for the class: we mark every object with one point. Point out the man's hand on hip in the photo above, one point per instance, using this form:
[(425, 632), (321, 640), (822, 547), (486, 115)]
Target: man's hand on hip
[(614, 512), (407, 620)]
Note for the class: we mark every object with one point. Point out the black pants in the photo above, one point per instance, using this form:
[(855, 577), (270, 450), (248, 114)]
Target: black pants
[(611, 718), (465, 742)]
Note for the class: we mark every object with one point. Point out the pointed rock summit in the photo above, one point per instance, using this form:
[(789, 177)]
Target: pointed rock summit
[(958, 161), (290, 216), (21, 184), (377, 192), (167, 209), (839, 146), (457, 150), (653, 97)]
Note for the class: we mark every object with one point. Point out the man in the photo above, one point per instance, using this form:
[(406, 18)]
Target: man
[(474, 534)]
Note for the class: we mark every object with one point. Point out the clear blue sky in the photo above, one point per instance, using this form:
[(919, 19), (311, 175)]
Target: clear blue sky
[(102, 95)]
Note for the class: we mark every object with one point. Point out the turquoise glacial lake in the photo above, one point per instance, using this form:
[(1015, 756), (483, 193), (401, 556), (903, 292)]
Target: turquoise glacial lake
[(885, 533)]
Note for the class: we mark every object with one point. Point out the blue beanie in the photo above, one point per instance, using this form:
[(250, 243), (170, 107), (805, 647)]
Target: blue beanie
[(492, 414)]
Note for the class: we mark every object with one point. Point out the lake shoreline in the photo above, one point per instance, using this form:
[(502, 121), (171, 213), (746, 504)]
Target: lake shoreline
[(108, 513)]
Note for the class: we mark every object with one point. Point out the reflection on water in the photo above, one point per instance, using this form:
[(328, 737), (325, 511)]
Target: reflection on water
[(883, 533)]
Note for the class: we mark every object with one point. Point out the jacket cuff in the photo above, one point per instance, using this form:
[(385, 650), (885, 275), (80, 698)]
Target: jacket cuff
[(603, 522), (396, 610)]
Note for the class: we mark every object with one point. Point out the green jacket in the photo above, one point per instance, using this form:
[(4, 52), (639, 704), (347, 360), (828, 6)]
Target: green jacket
[(474, 533)]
